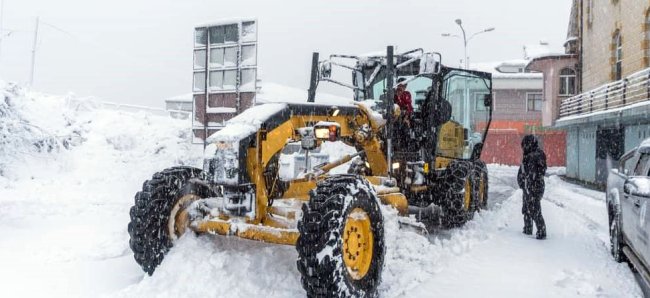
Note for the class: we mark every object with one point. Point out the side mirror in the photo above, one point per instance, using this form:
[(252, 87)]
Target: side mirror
[(487, 100), (326, 69), (637, 186), (431, 63)]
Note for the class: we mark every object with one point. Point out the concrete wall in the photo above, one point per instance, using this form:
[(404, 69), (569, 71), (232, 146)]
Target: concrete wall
[(601, 21)]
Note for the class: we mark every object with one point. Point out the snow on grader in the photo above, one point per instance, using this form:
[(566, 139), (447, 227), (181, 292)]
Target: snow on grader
[(428, 169)]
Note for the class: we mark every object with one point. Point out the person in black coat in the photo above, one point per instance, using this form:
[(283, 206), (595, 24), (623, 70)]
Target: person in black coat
[(531, 180)]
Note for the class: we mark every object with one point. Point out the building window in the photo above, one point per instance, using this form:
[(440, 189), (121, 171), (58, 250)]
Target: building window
[(617, 55), (567, 82), (534, 101)]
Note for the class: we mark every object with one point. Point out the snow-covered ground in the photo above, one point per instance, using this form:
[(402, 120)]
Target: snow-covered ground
[(64, 212)]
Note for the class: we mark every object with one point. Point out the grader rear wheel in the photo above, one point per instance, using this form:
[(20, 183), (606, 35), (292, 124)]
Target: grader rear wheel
[(458, 202), (341, 243), (481, 174)]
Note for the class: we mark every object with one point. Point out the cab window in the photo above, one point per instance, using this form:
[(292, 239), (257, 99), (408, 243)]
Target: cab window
[(418, 87)]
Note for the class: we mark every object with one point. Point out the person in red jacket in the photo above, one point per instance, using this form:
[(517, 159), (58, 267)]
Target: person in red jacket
[(403, 124), (403, 99)]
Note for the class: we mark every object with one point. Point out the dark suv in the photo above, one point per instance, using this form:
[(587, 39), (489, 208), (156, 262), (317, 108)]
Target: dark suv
[(628, 197)]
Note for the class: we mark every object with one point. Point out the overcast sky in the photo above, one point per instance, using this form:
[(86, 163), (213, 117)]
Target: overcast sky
[(140, 52)]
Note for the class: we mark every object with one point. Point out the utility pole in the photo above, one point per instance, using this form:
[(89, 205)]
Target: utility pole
[(31, 77)]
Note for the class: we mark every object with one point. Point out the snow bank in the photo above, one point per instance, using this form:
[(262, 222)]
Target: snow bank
[(64, 208), (31, 129)]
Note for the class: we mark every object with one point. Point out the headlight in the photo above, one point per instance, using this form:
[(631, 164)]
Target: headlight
[(322, 133)]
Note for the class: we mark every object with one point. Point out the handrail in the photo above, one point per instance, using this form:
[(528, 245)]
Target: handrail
[(627, 91)]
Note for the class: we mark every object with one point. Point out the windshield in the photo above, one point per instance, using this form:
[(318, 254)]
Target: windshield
[(466, 94)]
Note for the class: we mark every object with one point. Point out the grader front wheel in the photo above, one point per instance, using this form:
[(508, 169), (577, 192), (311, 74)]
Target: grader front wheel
[(158, 216), (341, 243)]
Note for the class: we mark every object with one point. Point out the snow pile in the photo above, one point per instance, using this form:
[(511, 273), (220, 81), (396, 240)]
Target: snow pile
[(31, 129), (64, 211)]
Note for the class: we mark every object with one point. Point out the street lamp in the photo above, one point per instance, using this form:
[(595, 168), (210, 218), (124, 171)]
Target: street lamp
[(466, 40)]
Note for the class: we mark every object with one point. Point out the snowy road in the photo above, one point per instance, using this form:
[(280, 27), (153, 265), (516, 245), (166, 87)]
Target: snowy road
[(63, 218)]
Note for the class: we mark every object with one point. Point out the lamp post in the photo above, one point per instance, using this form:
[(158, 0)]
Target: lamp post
[(466, 40)]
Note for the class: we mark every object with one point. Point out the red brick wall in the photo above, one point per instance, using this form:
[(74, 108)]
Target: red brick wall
[(504, 147)]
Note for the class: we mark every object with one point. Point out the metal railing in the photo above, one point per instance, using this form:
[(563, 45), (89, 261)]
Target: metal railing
[(630, 90)]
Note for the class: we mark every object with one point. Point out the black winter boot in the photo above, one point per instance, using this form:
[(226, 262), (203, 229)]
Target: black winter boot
[(528, 230), (541, 234), (528, 225)]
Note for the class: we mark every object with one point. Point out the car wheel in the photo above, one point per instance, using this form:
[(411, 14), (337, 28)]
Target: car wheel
[(615, 235)]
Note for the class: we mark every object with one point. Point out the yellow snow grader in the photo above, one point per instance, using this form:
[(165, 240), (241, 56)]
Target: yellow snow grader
[(428, 168)]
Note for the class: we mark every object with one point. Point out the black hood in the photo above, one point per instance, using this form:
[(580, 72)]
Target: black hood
[(529, 144)]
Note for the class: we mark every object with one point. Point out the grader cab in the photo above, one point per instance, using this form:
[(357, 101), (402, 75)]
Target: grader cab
[(429, 170)]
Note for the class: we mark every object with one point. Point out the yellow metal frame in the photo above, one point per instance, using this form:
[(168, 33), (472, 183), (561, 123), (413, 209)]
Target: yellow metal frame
[(277, 225)]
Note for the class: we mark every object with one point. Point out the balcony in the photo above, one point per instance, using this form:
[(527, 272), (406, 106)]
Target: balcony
[(631, 91)]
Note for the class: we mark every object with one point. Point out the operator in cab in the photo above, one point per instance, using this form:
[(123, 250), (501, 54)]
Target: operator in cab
[(404, 101), (402, 129)]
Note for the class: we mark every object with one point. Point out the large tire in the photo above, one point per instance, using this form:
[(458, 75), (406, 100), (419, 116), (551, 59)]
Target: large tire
[(457, 207), (481, 187), (615, 236), (149, 227), (341, 243)]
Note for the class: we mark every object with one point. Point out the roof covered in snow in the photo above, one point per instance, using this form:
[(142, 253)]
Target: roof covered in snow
[(542, 49), (273, 92), (509, 69), (187, 97), (226, 22)]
